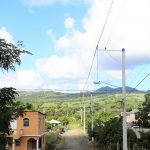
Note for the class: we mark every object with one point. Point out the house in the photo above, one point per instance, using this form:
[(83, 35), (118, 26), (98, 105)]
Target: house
[(28, 132), (131, 116)]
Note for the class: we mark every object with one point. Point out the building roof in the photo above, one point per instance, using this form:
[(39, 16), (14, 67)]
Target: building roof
[(36, 111), (134, 111), (54, 121)]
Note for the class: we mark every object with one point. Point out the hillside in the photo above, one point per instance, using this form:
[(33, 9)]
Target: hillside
[(46, 96), (110, 100), (50, 96), (108, 89)]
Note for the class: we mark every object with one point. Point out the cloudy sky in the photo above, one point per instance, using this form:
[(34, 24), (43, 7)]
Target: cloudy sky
[(63, 34)]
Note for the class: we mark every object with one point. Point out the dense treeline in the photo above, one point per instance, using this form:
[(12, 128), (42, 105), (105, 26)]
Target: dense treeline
[(108, 133)]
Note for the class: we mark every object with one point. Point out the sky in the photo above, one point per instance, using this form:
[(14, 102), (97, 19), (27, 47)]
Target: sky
[(63, 35)]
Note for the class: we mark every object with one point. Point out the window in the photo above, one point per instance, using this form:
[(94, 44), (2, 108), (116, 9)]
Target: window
[(26, 122), (17, 142), (43, 139)]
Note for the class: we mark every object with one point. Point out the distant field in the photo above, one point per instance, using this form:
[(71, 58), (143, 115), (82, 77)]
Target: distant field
[(102, 102)]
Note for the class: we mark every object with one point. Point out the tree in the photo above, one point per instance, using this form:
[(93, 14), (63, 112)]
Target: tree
[(108, 134), (144, 114), (9, 108)]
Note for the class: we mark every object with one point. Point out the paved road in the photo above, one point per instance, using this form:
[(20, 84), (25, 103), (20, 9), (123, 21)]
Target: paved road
[(75, 140)]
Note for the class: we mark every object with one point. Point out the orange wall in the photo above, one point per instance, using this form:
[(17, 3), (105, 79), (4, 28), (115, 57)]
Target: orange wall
[(36, 123), (34, 130), (41, 127)]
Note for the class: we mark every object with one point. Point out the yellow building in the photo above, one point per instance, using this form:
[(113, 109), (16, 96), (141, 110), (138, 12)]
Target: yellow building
[(28, 132)]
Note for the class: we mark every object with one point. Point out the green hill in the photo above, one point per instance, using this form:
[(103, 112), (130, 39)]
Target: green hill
[(108, 101)]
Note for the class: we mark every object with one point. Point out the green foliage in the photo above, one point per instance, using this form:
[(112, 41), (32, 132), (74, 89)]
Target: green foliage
[(145, 139), (9, 108), (9, 55), (143, 115), (132, 138), (109, 133), (64, 120), (52, 138)]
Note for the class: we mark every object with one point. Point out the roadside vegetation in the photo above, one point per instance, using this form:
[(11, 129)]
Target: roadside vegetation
[(10, 109), (67, 108), (108, 133)]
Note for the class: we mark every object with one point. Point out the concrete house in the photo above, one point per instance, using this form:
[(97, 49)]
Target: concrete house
[(131, 116), (28, 132)]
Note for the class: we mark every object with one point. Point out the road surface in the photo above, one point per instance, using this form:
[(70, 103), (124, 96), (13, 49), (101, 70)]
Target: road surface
[(75, 140)]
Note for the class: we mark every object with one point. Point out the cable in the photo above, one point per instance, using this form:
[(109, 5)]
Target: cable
[(139, 83), (117, 18), (116, 60), (98, 43), (105, 23), (110, 84), (140, 71), (97, 65), (90, 70)]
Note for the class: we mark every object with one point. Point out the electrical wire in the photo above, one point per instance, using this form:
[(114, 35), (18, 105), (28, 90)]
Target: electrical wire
[(98, 44), (109, 84), (105, 24), (116, 60), (117, 18), (139, 83), (139, 72)]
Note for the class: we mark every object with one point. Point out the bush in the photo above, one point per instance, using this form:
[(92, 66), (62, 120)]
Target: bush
[(52, 139)]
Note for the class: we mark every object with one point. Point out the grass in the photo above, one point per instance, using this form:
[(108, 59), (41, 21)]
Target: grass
[(75, 125)]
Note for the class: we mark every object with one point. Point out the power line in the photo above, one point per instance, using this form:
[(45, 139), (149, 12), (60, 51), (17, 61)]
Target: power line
[(105, 24), (140, 71), (98, 43), (110, 84), (142, 80), (117, 18), (90, 70), (116, 60), (139, 83)]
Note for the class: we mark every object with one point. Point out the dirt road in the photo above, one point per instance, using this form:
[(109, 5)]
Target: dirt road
[(75, 140)]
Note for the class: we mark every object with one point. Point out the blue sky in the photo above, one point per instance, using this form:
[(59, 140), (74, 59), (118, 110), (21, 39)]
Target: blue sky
[(62, 35)]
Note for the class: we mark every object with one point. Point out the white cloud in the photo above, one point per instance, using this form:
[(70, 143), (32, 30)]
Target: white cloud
[(50, 2), (130, 31), (23, 79), (72, 66), (116, 74), (4, 34), (69, 22), (56, 67)]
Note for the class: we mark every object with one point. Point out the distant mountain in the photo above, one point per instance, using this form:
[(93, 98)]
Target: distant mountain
[(108, 89), (148, 91)]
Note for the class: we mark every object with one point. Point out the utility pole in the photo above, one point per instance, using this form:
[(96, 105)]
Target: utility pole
[(81, 115), (83, 112), (124, 102), (92, 125), (67, 114), (124, 122)]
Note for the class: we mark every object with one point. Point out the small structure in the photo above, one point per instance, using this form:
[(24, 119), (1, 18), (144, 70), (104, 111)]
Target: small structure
[(131, 116), (54, 122), (28, 132)]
